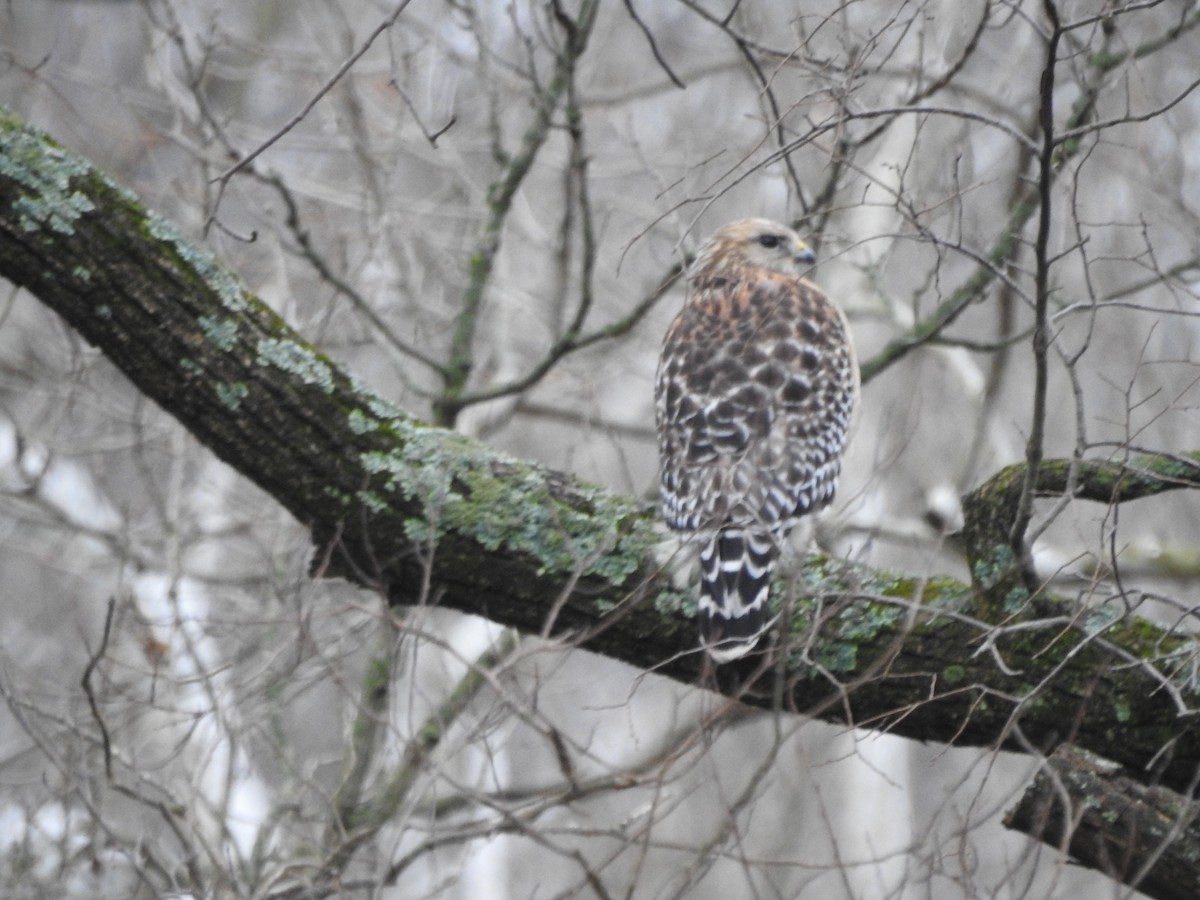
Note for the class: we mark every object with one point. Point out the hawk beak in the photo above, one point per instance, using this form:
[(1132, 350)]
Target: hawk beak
[(803, 254)]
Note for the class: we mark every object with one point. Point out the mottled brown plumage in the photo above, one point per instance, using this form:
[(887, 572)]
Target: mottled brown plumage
[(755, 391)]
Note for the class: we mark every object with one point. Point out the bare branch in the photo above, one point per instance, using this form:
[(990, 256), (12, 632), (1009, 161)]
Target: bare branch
[(300, 116), (653, 45), (86, 683), (500, 196), (1034, 447), (1144, 837)]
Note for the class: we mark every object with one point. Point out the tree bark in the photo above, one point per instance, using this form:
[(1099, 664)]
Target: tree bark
[(394, 504), (1146, 837)]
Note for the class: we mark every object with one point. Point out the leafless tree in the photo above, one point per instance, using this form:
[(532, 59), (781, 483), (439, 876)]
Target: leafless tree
[(273, 636)]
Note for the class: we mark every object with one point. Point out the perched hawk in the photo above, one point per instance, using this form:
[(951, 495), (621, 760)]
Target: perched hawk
[(754, 395)]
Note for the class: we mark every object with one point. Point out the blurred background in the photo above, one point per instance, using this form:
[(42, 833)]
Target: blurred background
[(479, 207)]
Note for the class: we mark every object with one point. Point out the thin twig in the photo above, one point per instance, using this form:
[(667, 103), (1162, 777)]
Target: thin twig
[(223, 178), (431, 136), (1035, 446), (339, 284), (569, 344), (86, 683), (653, 46)]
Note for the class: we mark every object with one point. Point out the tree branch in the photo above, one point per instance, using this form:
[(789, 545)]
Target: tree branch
[(1035, 445), (396, 505), (1145, 837), (499, 201)]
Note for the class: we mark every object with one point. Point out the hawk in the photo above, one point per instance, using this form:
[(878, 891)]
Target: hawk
[(754, 395)]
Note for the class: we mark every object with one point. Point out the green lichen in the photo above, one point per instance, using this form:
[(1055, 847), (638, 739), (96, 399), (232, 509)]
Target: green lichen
[(382, 410), (230, 292), (1100, 618), (1014, 600), (45, 171), (838, 657), (419, 531), (499, 502), (1182, 668), (820, 575), (856, 627), (996, 566), (863, 622), (192, 367), (673, 604), (104, 311), (58, 213), (373, 501), (632, 545), (296, 359), (222, 333), (943, 593), (83, 273), (338, 495), (954, 674), (361, 423), (1122, 712), (1180, 468), (232, 395)]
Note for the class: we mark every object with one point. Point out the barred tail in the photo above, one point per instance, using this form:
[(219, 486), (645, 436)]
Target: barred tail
[(735, 577)]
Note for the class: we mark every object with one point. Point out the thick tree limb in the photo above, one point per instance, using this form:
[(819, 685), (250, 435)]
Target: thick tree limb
[(990, 509), (391, 501), (1146, 837)]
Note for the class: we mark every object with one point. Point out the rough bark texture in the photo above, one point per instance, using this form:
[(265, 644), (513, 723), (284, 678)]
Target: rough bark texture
[(1146, 837), (386, 495)]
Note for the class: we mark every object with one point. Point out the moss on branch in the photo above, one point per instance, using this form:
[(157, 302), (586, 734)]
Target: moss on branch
[(991, 509)]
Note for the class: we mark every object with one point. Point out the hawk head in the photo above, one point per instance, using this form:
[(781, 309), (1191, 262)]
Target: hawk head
[(752, 243)]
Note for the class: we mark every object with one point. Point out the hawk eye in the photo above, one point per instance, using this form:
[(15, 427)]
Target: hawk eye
[(770, 241)]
